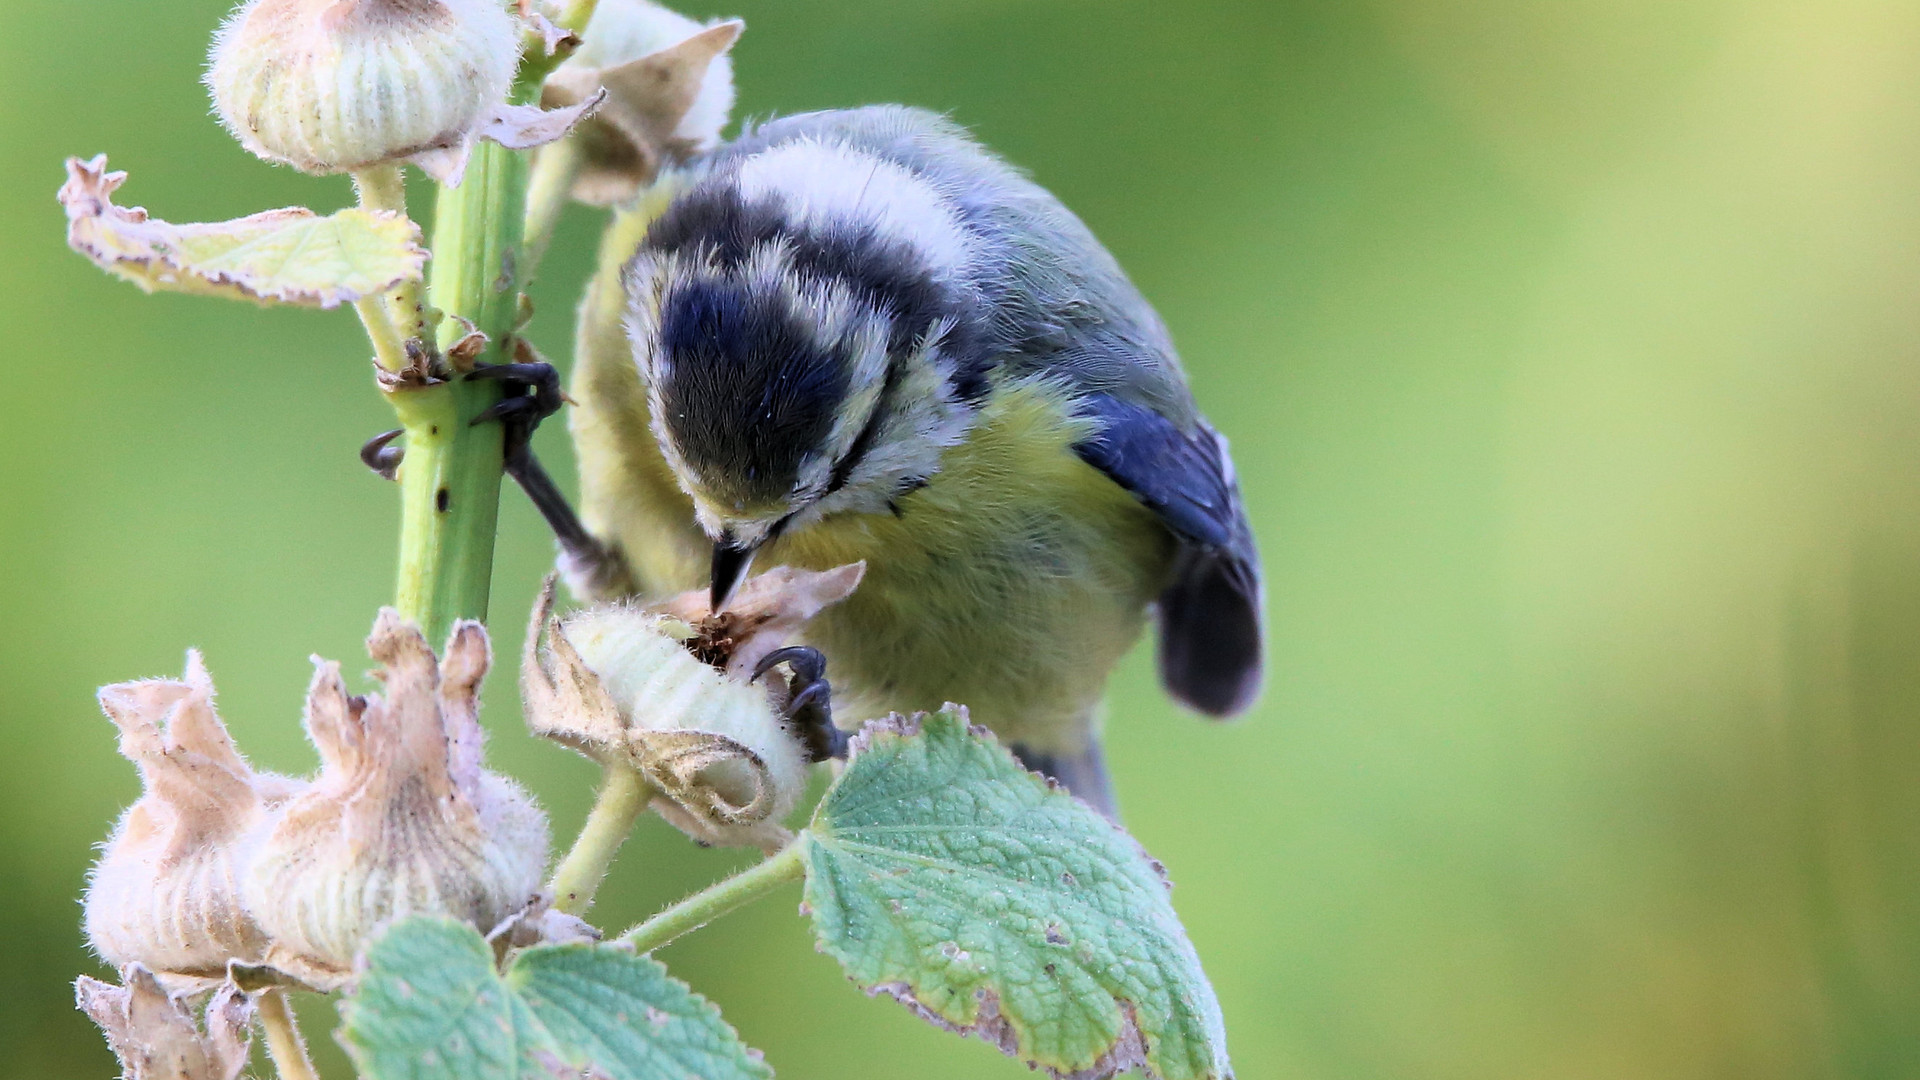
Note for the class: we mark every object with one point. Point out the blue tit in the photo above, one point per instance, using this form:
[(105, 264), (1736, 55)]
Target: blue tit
[(858, 335)]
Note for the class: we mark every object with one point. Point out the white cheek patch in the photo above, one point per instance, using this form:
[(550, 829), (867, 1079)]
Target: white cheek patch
[(823, 185)]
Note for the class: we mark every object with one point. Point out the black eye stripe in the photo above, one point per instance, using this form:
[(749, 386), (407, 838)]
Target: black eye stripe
[(870, 431)]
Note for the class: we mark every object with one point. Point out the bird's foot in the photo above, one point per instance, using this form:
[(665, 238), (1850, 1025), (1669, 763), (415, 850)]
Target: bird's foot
[(380, 455), (809, 700), (532, 393)]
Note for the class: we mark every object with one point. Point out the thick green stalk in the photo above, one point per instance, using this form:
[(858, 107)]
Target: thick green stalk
[(450, 477), (719, 898)]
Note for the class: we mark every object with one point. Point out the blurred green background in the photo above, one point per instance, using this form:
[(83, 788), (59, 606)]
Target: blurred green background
[(1571, 355)]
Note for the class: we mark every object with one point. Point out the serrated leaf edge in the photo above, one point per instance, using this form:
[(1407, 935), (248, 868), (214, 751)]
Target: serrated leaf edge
[(1128, 1051)]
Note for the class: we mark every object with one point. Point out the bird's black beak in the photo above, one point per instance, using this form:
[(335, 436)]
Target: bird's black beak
[(730, 562)]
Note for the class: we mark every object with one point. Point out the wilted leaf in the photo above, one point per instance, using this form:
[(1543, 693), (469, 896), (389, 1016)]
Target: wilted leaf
[(430, 1006), (291, 256), (995, 904), (664, 105), (523, 127)]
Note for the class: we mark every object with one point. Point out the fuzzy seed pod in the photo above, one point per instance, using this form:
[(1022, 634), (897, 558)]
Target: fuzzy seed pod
[(166, 893), (621, 683), (402, 818), (669, 85), (331, 86)]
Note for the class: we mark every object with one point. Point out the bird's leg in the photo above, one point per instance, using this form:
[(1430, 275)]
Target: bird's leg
[(532, 393), (532, 389), (809, 700)]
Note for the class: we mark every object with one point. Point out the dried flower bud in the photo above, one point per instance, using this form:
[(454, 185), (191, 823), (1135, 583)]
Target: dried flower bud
[(621, 683), (166, 892), (670, 91), (336, 85), (154, 1034), (402, 818)]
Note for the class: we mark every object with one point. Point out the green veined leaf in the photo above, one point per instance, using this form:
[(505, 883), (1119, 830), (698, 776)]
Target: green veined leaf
[(994, 904), (430, 1006), (291, 256)]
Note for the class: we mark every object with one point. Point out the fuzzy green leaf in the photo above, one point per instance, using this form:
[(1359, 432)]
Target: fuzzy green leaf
[(430, 1006), (941, 872), (291, 256)]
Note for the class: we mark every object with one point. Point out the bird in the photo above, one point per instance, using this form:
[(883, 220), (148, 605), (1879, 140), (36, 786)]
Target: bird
[(859, 335)]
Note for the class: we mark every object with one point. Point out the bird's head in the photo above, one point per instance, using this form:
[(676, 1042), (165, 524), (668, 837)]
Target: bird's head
[(791, 373)]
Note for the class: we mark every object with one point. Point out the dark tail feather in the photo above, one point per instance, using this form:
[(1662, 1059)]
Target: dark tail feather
[(1084, 773), (1210, 633)]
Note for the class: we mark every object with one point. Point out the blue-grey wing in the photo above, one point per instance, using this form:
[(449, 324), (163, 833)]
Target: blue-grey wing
[(1210, 613)]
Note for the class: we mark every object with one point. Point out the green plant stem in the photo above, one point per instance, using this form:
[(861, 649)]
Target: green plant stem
[(450, 476), (719, 898), (389, 350), (384, 187), (537, 65), (284, 1043), (555, 167), (622, 795)]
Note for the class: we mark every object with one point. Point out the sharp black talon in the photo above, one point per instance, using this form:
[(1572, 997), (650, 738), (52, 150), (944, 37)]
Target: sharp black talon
[(813, 692), (807, 663), (381, 457), (510, 409), (809, 699), (532, 394)]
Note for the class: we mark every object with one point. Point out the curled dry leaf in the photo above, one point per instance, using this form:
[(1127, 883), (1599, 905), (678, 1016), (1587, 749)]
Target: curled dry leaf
[(670, 87), (166, 891), (402, 818), (290, 256), (522, 127), (555, 38), (539, 924), (516, 127), (154, 1034), (666, 691)]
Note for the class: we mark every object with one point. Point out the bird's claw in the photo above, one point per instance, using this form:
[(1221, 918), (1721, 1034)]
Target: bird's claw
[(532, 390), (809, 699), (381, 456)]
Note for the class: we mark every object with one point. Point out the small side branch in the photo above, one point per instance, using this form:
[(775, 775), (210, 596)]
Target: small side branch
[(622, 796), (718, 899), (284, 1043)]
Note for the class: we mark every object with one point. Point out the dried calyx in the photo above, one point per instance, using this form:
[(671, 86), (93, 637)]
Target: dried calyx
[(166, 892), (217, 865), (669, 86), (402, 819), (154, 1034), (668, 691), (337, 85)]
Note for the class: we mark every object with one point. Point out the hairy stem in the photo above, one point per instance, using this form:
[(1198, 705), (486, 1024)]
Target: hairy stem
[(623, 794), (389, 350), (555, 167), (284, 1043), (719, 898), (384, 187), (450, 477)]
